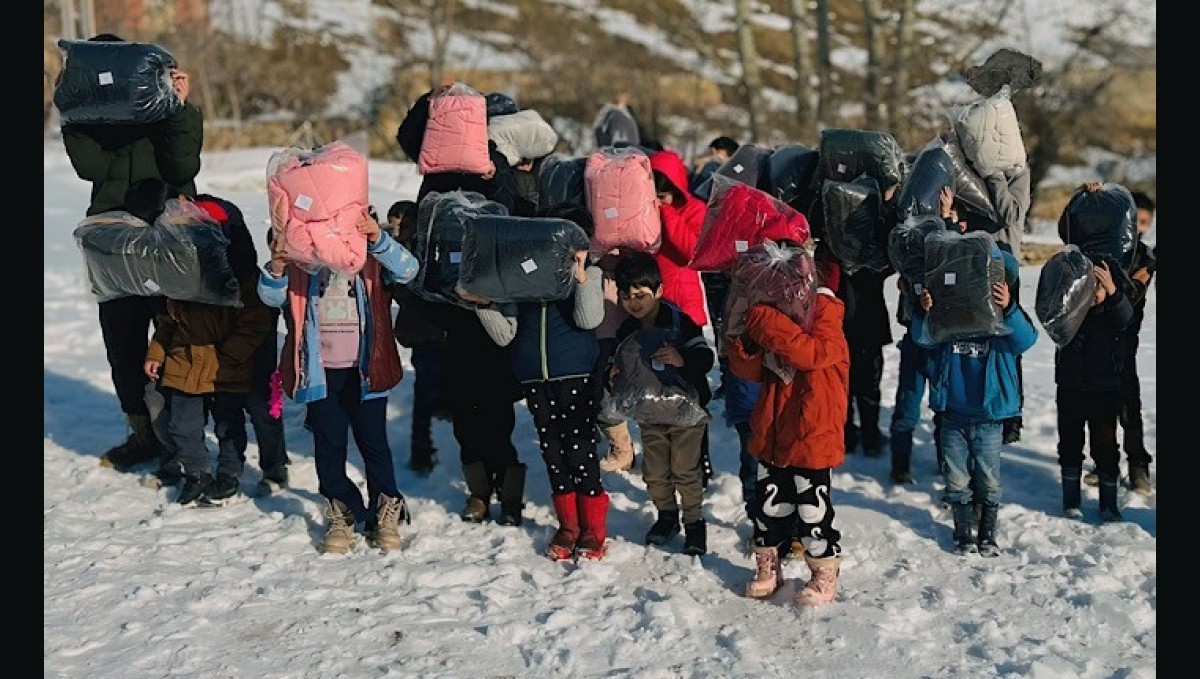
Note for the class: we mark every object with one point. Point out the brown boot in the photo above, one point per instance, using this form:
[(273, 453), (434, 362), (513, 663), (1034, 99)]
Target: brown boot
[(620, 449)]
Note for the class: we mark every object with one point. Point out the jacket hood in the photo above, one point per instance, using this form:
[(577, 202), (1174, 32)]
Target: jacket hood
[(670, 164)]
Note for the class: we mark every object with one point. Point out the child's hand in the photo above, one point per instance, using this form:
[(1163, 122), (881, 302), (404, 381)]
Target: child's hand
[(1091, 187), (612, 373), (369, 226), (581, 266), (279, 257), (926, 301), (946, 201), (491, 172), (181, 83), (1001, 294), (151, 369), (1142, 276), (668, 355), (1104, 278), (474, 299)]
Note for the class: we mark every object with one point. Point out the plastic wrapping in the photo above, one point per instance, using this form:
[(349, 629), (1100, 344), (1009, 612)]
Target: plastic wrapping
[(906, 246), (846, 154), (499, 104), (990, 134), (791, 168), (318, 196), (854, 224), (560, 180), (522, 135), (739, 217), (619, 185), (750, 164), (441, 223), (960, 271), (649, 392), (931, 172), (182, 256), (1065, 291), (122, 83), (1005, 66), (970, 191), (1103, 223), (519, 259), (456, 135)]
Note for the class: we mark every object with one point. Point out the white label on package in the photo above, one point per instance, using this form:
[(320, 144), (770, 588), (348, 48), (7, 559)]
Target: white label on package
[(303, 202), (456, 258), (151, 285), (738, 168), (841, 168), (610, 212), (529, 266), (950, 278), (106, 78), (741, 245)]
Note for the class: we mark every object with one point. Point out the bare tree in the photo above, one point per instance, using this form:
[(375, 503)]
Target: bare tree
[(751, 82), (876, 115), (898, 99), (802, 63), (824, 66)]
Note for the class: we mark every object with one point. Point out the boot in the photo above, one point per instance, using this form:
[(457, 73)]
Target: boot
[(593, 520), (512, 494), (386, 532), (901, 446), (194, 487), (479, 489), (1139, 480), (987, 530), (822, 587), (562, 545), (620, 449), (141, 445), (964, 541), (695, 538), (768, 573), (1072, 497), (664, 528), (1109, 511), (423, 456), (339, 529)]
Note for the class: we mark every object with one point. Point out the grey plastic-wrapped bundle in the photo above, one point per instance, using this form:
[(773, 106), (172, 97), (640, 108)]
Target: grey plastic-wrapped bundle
[(1102, 223), (560, 180), (970, 191), (122, 83), (441, 223), (750, 164), (960, 271), (647, 391), (182, 256), (854, 224), (846, 154), (921, 194), (520, 259), (906, 246), (791, 168), (1065, 291)]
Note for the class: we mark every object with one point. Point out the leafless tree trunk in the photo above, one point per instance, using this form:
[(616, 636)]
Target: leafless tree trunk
[(440, 15), (824, 67), (803, 65), (898, 99), (751, 79), (875, 113)]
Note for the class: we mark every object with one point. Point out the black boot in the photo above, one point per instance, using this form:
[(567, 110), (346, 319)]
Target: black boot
[(964, 542), (141, 445), (512, 495), (423, 456), (194, 487), (1108, 500), (665, 528), (987, 530), (695, 538), (1072, 497), (479, 489)]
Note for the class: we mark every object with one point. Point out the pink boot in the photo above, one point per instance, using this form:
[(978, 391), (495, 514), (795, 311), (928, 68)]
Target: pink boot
[(822, 588), (768, 573)]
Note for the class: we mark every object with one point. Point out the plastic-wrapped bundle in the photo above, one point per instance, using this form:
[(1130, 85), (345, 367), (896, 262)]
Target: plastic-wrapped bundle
[(970, 190), (750, 164), (123, 83), (522, 136), (791, 169), (1103, 223), (921, 194), (650, 392), (990, 134), (520, 259), (456, 134), (182, 256), (1008, 67), (739, 217), (906, 246), (619, 185), (438, 244), (960, 271), (854, 224), (499, 104), (1065, 291), (846, 154), (560, 180)]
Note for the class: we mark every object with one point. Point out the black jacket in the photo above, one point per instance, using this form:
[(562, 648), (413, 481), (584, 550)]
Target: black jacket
[(1095, 358)]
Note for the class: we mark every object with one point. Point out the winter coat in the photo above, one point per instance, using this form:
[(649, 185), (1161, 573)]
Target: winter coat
[(681, 226), (298, 294), (798, 424), (698, 356), (1094, 359), (113, 157)]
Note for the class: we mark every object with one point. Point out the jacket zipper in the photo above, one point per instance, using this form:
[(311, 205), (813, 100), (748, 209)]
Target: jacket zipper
[(542, 342)]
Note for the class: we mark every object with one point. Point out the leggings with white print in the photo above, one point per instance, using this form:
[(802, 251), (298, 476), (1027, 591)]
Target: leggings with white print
[(795, 503)]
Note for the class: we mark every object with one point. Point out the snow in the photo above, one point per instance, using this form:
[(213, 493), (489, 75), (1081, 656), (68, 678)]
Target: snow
[(135, 586)]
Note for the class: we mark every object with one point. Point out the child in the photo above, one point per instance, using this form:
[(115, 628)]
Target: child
[(340, 359), (554, 349), (974, 388), (672, 455), (797, 437)]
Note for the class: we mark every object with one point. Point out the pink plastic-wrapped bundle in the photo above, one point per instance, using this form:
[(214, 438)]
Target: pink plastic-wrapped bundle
[(782, 276), (317, 198), (619, 187), (739, 217), (456, 136)]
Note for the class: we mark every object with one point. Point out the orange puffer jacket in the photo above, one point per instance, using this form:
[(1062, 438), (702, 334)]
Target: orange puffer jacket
[(797, 424)]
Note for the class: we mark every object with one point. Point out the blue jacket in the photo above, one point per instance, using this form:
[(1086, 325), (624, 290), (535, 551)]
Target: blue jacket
[(993, 358)]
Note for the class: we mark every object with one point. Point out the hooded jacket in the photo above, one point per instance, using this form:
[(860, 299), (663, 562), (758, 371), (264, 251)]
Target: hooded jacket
[(681, 229)]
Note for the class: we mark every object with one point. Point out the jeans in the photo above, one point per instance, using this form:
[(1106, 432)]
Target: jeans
[(972, 465), (910, 392)]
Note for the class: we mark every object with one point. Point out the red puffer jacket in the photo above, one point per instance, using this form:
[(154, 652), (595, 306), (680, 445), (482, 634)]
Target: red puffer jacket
[(681, 229), (799, 424)]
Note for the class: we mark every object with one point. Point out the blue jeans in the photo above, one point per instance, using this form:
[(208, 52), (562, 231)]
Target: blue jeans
[(972, 453), (910, 392)]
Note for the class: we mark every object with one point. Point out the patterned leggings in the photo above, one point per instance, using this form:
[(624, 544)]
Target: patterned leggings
[(564, 413), (795, 503)]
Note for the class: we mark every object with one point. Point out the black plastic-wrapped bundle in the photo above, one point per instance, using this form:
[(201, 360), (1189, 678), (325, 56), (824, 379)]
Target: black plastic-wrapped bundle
[(1102, 223), (970, 191), (906, 246), (520, 259), (441, 224), (560, 180), (182, 256), (931, 172), (791, 169), (750, 164), (123, 83), (500, 104), (1065, 291), (650, 392), (854, 224), (960, 271), (846, 154)]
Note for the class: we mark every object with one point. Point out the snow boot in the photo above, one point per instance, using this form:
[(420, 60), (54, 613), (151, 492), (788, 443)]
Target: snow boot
[(768, 573), (562, 545), (1109, 511), (987, 530), (339, 529), (964, 541), (620, 449), (386, 532), (512, 495), (593, 521), (665, 528), (1072, 495), (695, 538), (1139, 480), (822, 587), (479, 489), (140, 446), (194, 487)]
